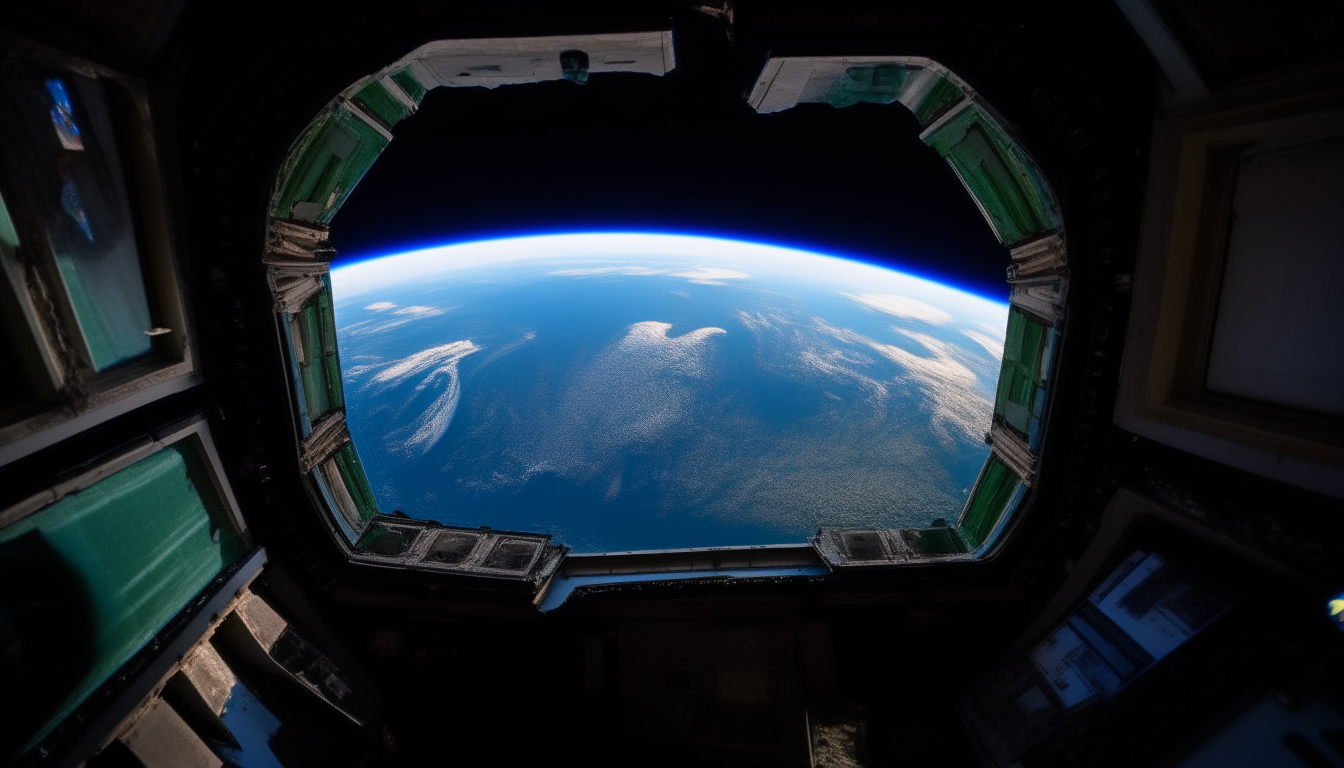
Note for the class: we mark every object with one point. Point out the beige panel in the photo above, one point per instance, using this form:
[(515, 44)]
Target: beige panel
[(210, 677), (493, 62), (162, 739), (261, 620)]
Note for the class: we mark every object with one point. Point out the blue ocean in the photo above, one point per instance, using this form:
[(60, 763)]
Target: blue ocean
[(627, 400)]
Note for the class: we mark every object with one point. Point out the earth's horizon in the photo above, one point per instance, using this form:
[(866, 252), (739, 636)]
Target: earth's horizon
[(644, 391)]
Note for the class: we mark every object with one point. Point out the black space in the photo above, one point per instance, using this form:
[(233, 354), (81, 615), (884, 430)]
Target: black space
[(682, 154)]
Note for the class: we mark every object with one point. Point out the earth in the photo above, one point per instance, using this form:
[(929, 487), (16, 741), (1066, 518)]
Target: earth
[(633, 392)]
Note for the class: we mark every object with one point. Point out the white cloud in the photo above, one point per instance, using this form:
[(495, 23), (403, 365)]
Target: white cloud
[(947, 383), (901, 306), (647, 344), (397, 372), (419, 311), (993, 345), (376, 326), (439, 367), (637, 390), (837, 364), (527, 338), (699, 275), (995, 331)]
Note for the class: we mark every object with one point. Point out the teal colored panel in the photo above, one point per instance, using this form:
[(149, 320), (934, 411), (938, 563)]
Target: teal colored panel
[(408, 82), (1019, 398), (356, 482), (110, 305), (994, 488), (937, 100), (998, 173), (60, 144), (325, 165), (378, 101), (9, 237), (876, 85), (934, 541), (143, 543), (91, 232)]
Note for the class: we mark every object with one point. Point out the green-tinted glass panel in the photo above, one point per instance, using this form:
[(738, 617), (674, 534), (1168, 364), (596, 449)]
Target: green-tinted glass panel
[(876, 85), (356, 482), (410, 85), (312, 371), (1007, 185), (325, 165), (385, 541), (378, 101), (133, 549), (320, 366), (994, 488), (1021, 375), (59, 141), (934, 541), (331, 363), (939, 98)]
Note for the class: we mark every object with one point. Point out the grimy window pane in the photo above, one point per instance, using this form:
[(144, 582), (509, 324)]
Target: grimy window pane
[(942, 95), (319, 362), (132, 550), (326, 165), (1021, 371), (60, 141), (993, 490), (998, 174), (376, 100), (356, 482), (410, 85)]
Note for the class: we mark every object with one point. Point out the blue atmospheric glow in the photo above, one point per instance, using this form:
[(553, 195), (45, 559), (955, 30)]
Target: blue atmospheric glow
[(628, 390), (542, 237), (598, 246)]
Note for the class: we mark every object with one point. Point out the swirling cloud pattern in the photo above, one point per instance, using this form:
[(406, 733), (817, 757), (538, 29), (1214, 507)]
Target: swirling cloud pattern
[(602, 405), (434, 370)]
